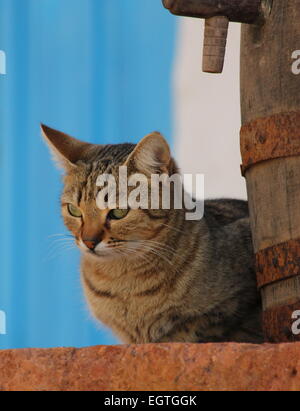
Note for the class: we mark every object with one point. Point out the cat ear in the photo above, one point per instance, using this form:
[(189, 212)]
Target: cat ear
[(151, 156), (66, 150)]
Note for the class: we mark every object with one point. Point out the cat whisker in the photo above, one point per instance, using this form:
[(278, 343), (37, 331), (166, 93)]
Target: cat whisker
[(55, 255), (161, 245), (58, 243), (60, 240), (61, 235), (157, 252), (154, 244), (59, 246), (132, 251), (159, 249)]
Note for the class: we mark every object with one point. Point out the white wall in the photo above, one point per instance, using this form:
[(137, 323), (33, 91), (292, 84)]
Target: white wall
[(207, 113)]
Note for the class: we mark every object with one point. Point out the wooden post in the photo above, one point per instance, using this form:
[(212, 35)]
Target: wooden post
[(270, 146), (241, 11), (215, 39)]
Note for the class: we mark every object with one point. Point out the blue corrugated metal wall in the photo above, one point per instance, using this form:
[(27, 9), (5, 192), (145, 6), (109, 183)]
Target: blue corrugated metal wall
[(97, 69)]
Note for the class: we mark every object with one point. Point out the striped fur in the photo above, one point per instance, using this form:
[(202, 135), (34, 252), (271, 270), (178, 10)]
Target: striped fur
[(167, 279)]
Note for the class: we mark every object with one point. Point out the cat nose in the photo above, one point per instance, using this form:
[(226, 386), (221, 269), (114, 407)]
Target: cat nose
[(92, 236), (91, 244)]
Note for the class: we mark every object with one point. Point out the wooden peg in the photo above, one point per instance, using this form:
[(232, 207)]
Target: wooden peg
[(215, 39)]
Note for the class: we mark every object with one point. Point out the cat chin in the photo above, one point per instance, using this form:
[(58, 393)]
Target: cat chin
[(102, 255)]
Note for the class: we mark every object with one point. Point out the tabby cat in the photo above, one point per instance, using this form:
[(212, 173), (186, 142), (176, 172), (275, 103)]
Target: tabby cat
[(152, 275)]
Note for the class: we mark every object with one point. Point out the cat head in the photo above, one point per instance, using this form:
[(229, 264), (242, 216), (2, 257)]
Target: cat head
[(106, 232)]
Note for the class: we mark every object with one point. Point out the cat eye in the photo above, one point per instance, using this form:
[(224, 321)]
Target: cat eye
[(117, 214), (74, 211)]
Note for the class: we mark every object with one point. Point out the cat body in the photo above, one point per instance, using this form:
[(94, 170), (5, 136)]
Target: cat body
[(152, 275), (203, 292)]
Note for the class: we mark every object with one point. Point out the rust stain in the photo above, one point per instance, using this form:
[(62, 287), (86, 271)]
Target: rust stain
[(278, 262), (268, 138)]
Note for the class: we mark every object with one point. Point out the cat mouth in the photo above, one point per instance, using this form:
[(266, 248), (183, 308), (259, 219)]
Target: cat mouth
[(101, 254), (111, 249), (114, 248)]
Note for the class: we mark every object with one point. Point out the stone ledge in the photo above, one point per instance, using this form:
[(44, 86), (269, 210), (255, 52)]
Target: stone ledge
[(157, 367)]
